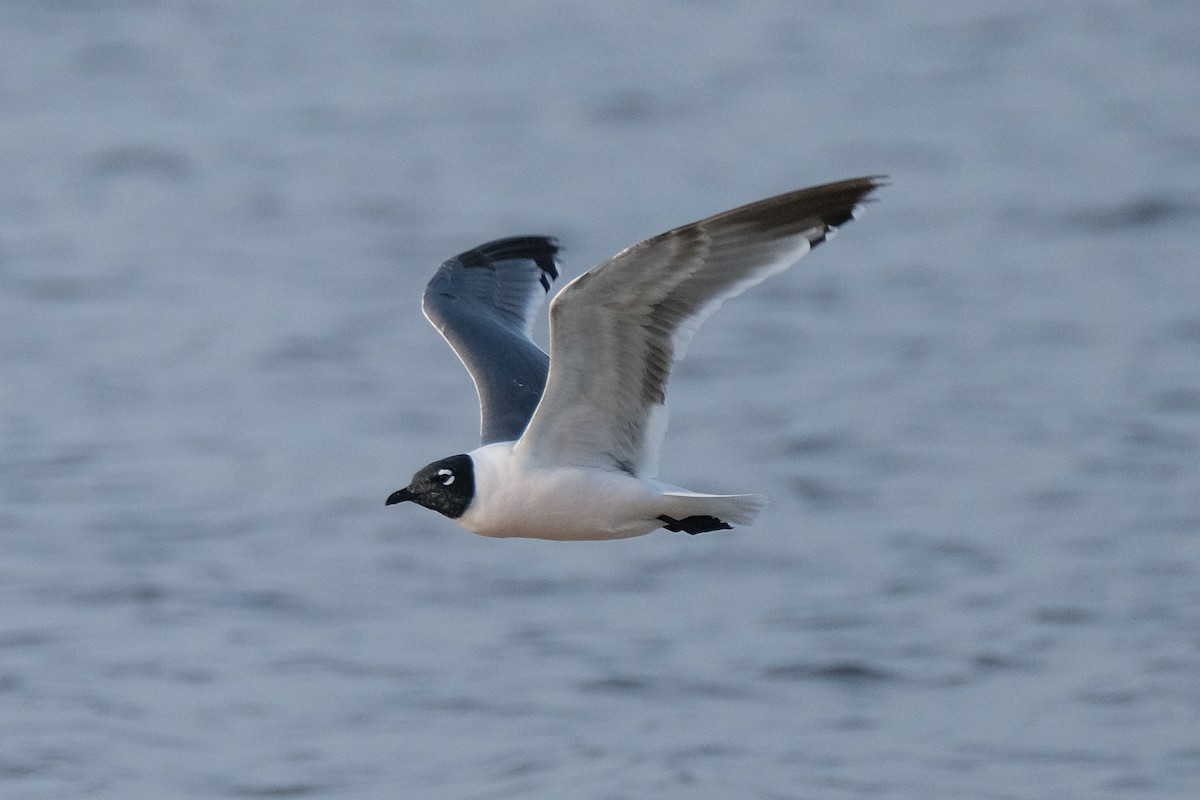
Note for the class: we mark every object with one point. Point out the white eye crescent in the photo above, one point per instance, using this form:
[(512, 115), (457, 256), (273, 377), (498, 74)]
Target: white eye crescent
[(446, 475)]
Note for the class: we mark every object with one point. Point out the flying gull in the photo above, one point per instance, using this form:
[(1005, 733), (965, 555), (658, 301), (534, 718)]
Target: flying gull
[(570, 441)]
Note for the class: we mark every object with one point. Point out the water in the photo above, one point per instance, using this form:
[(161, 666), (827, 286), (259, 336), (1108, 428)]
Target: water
[(977, 412)]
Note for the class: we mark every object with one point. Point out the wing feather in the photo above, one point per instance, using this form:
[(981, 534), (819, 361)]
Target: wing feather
[(483, 302), (616, 330)]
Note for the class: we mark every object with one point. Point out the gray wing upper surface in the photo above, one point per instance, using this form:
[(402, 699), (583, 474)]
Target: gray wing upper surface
[(616, 330), (483, 302)]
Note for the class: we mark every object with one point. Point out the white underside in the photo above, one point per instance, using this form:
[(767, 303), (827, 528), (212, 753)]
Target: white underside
[(517, 498)]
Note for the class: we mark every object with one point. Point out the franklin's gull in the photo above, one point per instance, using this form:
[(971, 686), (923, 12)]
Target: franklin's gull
[(570, 441)]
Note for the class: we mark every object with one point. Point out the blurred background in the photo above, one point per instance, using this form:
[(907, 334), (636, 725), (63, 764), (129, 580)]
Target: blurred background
[(977, 412)]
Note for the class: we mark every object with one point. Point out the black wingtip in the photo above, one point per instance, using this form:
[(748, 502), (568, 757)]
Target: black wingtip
[(856, 192), (541, 250)]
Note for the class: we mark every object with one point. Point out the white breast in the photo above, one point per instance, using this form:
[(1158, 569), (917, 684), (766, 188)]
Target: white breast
[(514, 497)]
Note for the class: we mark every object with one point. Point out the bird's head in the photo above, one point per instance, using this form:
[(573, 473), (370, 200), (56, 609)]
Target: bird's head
[(446, 486)]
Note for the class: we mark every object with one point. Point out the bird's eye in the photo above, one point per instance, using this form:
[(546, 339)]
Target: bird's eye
[(445, 476)]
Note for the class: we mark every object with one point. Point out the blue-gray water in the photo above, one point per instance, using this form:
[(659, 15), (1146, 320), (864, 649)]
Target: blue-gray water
[(977, 412)]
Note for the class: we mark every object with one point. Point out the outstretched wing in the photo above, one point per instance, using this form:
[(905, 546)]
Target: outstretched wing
[(616, 330), (483, 302)]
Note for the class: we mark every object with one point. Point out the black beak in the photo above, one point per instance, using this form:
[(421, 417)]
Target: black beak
[(399, 497)]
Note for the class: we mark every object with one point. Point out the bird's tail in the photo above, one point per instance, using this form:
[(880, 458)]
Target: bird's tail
[(693, 512)]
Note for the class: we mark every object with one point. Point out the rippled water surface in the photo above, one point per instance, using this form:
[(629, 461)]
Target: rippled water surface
[(977, 412)]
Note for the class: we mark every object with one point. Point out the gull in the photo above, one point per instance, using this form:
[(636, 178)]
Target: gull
[(569, 442)]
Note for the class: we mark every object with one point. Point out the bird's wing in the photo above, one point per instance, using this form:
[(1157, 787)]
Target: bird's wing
[(616, 330), (483, 302)]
